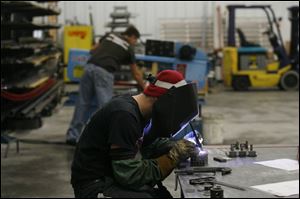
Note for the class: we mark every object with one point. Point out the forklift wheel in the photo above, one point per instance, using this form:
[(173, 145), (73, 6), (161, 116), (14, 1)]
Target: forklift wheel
[(240, 83), (290, 81)]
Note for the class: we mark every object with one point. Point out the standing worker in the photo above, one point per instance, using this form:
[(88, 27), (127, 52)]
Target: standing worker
[(105, 160), (98, 79)]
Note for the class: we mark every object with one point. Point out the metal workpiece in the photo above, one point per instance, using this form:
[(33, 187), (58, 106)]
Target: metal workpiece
[(200, 158), (242, 153), (241, 150), (251, 153), (245, 173), (232, 153)]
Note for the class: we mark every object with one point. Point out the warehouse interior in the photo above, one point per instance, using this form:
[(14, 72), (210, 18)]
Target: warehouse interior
[(232, 127)]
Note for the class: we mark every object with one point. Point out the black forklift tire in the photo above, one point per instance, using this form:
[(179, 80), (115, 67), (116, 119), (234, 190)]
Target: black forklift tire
[(240, 83), (289, 81)]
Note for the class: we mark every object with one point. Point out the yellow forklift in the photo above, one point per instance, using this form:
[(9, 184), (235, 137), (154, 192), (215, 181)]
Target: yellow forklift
[(248, 65)]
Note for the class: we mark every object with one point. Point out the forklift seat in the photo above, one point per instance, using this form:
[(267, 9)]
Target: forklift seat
[(243, 40)]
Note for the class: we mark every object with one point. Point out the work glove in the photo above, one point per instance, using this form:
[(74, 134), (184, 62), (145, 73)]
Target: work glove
[(181, 150)]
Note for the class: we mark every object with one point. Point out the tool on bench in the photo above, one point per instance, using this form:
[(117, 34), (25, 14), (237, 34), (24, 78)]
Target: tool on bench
[(194, 170), (212, 180), (221, 159)]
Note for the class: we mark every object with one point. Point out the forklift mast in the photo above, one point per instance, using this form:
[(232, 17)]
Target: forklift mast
[(275, 39), (294, 46)]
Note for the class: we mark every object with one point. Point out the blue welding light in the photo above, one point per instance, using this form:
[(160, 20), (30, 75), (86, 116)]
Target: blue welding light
[(191, 136), (183, 125), (147, 128)]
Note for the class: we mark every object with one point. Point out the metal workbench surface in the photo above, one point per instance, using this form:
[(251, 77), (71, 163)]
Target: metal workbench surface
[(244, 172)]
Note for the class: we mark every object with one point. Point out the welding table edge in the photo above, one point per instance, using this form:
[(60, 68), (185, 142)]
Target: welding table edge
[(249, 188)]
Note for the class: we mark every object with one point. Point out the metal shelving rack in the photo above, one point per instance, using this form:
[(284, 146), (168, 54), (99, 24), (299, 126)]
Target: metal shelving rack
[(120, 19), (31, 69)]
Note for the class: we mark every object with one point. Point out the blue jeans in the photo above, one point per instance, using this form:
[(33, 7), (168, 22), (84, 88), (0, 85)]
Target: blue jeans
[(96, 83)]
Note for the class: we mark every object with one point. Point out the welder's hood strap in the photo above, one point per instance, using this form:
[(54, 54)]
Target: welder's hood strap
[(168, 85)]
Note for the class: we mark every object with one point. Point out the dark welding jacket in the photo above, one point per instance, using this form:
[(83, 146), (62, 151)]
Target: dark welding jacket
[(118, 123)]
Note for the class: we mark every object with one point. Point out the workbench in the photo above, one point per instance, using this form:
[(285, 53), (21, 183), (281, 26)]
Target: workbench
[(244, 172)]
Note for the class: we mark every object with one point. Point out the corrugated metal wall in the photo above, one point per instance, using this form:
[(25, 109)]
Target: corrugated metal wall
[(149, 13)]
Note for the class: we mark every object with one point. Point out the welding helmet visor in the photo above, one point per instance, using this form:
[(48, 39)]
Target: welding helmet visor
[(174, 110)]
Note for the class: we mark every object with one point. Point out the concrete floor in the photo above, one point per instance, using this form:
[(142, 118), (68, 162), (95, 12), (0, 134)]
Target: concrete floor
[(261, 116), (43, 170)]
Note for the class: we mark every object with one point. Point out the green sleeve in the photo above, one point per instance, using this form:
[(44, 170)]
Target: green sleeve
[(158, 148), (135, 174)]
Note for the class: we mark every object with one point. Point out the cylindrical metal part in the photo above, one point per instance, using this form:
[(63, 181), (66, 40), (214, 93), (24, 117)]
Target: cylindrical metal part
[(217, 192)]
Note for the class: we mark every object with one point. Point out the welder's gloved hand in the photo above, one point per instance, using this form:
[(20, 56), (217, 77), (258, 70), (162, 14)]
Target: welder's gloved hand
[(181, 150)]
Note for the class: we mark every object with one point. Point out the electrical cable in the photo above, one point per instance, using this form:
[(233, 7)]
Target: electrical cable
[(29, 95)]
